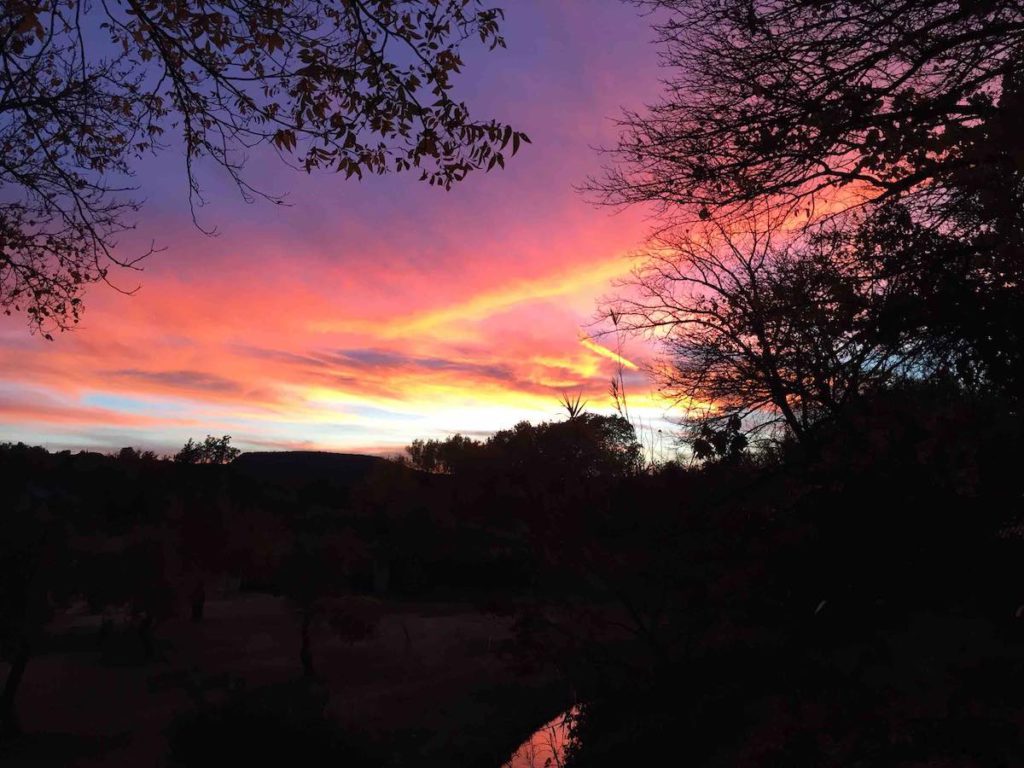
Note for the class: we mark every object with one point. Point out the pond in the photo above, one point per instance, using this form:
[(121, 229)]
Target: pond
[(546, 746)]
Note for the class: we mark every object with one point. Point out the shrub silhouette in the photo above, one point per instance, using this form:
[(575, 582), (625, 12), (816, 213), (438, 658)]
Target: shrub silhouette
[(277, 725)]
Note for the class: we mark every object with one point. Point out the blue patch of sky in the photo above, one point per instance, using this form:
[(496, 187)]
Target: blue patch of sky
[(145, 406), (381, 413)]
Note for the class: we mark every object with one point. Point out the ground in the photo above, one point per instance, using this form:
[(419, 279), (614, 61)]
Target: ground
[(433, 675)]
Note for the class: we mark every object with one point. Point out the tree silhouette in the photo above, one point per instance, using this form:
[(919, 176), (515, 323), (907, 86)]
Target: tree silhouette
[(316, 577), (134, 571), (586, 445), (443, 456), (906, 119), (30, 568), (787, 98), (87, 89), (213, 450), (781, 327), (34, 573)]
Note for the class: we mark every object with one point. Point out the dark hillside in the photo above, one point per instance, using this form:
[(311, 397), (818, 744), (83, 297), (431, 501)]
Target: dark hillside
[(307, 467)]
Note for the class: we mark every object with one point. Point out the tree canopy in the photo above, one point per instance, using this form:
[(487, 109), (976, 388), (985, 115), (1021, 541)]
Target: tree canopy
[(213, 450), (586, 446), (788, 98), (758, 323), (841, 198), (87, 89)]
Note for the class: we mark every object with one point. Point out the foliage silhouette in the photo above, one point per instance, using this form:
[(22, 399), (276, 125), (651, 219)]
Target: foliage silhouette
[(277, 725), (213, 450), (778, 328), (788, 98), (841, 202)]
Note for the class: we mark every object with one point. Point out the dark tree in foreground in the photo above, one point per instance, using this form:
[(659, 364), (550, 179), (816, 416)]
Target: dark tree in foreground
[(134, 572), (88, 88), (316, 577), (34, 574), (28, 543), (886, 140), (777, 327)]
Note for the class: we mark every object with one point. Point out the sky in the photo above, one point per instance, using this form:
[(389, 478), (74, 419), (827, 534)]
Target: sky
[(365, 314)]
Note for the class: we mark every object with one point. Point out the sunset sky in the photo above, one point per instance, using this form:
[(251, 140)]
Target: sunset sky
[(366, 314)]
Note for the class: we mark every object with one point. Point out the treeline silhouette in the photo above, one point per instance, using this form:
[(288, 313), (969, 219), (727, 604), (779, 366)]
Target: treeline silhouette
[(855, 598), (141, 540), (858, 599)]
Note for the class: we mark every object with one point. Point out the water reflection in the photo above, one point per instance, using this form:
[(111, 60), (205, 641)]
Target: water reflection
[(546, 747)]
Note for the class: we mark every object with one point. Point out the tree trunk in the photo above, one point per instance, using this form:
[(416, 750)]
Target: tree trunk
[(198, 602), (146, 636), (306, 655), (106, 629), (8, 715), (381, 575)]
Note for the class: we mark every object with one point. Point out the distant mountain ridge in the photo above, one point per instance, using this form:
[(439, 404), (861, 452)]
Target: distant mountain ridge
[(307, 466)]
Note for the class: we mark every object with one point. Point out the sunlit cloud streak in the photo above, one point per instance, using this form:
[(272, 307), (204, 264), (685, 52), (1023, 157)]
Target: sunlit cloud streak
[(603, 351)]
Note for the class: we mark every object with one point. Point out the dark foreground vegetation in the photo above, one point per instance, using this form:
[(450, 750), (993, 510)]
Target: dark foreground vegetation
[(854, 601), (328, 606)]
